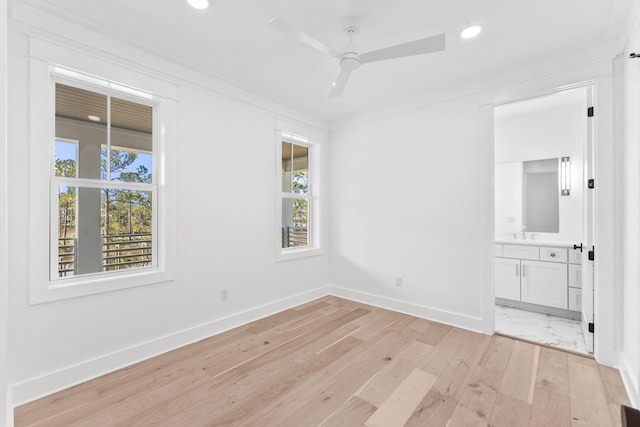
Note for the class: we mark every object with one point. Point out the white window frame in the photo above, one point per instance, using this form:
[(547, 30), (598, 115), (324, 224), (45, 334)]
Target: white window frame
[(77, 182), (50, 64), (313, 140)]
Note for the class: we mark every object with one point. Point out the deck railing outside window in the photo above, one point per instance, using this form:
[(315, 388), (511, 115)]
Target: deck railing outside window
[(119, 252)]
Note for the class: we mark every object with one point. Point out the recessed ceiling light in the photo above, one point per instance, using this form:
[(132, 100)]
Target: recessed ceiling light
[(94, 118), (471, 31), (199, 4)]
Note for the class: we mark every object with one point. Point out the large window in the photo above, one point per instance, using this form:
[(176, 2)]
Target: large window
[(102, 178), (102, 182), (298, 205)]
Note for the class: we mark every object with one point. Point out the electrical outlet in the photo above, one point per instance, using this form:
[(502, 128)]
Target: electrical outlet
[(224, 295), (399, 281)]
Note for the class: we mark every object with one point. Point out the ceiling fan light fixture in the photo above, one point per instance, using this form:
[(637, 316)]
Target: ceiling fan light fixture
[(471, 31), (199, 4)]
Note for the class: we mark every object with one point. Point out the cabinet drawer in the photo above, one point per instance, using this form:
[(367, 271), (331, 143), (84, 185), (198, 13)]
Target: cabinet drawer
[(575, 299), (553, 254), (521, 252), (575, 276), (498, 250), (575, 256)]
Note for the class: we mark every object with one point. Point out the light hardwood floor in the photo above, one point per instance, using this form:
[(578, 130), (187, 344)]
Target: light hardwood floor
[(334, 362)]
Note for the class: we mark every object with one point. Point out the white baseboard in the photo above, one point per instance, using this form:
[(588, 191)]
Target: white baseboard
[(631, 380), (474, 324), (44, 385)]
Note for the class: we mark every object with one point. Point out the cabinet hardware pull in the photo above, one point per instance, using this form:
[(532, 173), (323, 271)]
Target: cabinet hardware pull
[(552, 254)]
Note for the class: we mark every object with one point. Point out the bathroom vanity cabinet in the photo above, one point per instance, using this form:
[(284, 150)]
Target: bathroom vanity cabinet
[(544, 275)]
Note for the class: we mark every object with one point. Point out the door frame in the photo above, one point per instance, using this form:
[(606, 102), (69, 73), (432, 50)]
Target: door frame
[(606, 206)]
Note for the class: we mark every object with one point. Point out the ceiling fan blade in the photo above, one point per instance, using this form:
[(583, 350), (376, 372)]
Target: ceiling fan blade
[(305, 38), (340, 83), (416, 47)]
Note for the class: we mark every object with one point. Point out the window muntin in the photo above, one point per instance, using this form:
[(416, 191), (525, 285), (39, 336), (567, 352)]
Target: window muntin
[(103, 193)]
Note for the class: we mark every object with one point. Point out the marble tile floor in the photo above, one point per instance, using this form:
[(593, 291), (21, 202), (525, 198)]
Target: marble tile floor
[(543, 328)]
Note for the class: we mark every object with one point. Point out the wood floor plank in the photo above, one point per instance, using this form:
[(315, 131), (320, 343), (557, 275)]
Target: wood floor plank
[(354, 412), (550, 409), (587, 399), (440, 402), (510, 412), (388, 379), (610, 375), (520, 377), (56, 404), (477, 400), (553, 374), (615, 414), (498, 354), (398, 407), (434, 334), (336, 362), (373, 323)]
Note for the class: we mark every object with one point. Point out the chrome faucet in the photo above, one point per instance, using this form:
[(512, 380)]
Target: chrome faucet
[(524, 229)]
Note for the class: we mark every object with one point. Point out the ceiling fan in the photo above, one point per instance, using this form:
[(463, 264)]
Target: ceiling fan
[(350, 58)]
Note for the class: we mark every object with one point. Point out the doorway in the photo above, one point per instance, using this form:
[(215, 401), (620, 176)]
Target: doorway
[(543, 154)]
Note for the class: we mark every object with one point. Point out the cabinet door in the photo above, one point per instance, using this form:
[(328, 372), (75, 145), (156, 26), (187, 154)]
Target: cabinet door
[(575, 299), (508, 278), (544, 283), (575, 276)]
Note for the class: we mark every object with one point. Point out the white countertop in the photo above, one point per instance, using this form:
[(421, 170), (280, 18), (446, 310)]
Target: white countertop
[(535, 242)]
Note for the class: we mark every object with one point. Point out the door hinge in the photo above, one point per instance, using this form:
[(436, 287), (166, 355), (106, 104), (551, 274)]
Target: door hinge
[(592, 254), (591, 183), (591, 327), (590, 112)]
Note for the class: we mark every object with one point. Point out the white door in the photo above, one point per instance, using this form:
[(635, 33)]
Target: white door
[(544, 283), (507, 278), (588, 233)]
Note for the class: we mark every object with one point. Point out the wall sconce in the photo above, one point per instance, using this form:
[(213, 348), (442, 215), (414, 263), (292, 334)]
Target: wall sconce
[(565, 176)]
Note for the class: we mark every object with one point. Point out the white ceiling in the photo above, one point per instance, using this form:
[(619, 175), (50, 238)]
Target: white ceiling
[(231, 40)]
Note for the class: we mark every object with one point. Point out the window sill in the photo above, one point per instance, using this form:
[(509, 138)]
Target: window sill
[(291, 254), (96, 284)]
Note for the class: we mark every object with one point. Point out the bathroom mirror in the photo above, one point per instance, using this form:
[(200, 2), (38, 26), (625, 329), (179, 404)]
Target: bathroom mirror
[(541, 201), (527, 194)]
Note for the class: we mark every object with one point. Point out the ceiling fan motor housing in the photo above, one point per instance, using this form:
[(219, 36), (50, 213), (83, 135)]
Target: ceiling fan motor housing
[(350, 61)]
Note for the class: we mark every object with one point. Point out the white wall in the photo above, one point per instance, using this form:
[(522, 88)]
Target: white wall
[(545, 134), (6, 413), (631, 218), (410, 199), (225, 216)]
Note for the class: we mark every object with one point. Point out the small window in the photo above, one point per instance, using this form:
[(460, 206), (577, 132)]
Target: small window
[(298, 210), (102, 184), (296, 199)]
